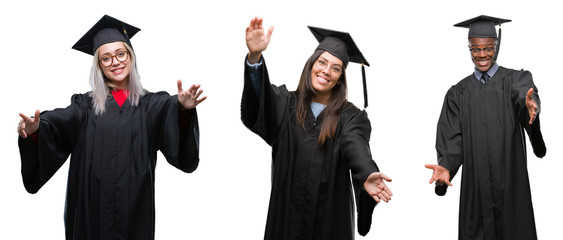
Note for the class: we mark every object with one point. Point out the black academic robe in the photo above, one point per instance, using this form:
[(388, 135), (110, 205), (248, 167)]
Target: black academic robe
[(311, 196), (482, 128), (110, 192)]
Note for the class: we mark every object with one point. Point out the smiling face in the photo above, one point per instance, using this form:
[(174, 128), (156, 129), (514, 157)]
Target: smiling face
[(325, 74), (482, 52), (117, 70)]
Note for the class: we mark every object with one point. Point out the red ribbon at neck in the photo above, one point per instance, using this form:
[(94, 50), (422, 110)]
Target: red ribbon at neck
[(120, 96)]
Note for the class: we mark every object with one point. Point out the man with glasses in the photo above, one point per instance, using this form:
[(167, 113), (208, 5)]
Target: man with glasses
[(481, 127)]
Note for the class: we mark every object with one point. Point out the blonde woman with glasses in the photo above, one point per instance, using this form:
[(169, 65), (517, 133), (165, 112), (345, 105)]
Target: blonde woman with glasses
[(112, 135)]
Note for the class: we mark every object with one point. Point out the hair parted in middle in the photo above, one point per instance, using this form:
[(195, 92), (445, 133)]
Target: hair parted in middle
[(101, 85), (336, 104)]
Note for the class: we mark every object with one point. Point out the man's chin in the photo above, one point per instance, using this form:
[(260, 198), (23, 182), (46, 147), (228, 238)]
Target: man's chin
[(483, 68)]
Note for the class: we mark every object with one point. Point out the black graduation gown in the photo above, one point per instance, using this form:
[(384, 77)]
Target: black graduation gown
[(482, 127), (110, 192), (311, 196)]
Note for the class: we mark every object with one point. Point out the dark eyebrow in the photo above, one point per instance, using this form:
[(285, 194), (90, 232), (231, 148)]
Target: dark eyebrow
[(336, 64), (486, 45)]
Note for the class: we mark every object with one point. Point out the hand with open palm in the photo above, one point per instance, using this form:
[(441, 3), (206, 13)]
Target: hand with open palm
[(256, 39), (376, 187)]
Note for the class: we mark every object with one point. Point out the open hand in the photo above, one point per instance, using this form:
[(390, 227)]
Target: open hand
[(440, 174), (532, 106), (28, 125), (376, 187), (189, 99), (256, 39)]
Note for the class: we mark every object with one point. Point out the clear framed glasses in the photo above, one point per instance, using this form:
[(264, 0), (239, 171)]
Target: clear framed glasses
[(478, 50), (107, 60), (322, 64)]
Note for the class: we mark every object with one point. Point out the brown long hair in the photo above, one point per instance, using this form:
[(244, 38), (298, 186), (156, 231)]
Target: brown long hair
[(336, 103)]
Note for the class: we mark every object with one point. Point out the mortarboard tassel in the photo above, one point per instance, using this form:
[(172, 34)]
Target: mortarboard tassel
[(365, 87), (125, 33), (498, 44)]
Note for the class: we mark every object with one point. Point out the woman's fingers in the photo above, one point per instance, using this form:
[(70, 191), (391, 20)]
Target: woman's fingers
[(179, 84)]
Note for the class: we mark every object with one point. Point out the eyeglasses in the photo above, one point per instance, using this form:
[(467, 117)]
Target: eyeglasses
[(478, 50), (322, 64), (107, 60)]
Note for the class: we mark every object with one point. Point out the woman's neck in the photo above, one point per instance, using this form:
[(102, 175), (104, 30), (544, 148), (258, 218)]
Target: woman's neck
[(322, 99), (119, 85)]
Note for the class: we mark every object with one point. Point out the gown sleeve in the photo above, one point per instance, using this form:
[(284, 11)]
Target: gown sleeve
[(255, 75), (355, 150), (522, 82), (58, 132), (265, 113), (449, 145), (173, 132)]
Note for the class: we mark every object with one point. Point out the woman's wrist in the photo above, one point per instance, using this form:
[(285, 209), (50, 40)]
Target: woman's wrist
[(254, 57)]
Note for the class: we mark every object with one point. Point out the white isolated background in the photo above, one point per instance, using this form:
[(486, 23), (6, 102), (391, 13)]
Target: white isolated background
[(415, 56)]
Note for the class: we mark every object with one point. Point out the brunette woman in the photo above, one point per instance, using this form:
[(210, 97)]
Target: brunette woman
[(320, 142)]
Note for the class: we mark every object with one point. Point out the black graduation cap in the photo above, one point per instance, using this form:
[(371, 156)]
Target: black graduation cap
[(106, 30), (484, 27), (342, 46)]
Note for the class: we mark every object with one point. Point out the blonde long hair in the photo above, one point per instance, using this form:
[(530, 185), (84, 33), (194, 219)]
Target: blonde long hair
[(101, 85)]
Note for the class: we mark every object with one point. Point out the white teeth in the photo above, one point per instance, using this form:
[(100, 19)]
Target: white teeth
[(322, 80)]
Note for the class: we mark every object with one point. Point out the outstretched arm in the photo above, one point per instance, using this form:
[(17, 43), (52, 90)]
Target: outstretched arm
[(527, 104)]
